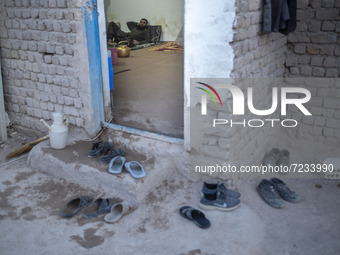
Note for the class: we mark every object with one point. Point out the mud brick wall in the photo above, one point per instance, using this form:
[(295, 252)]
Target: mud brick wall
[(314, 53), (44, 61)]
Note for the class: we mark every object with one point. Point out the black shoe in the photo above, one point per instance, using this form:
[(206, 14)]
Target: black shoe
[(268, 193)]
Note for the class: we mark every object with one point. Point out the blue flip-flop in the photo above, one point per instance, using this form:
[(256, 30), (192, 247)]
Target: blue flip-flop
[(135, 169), (116, 165)]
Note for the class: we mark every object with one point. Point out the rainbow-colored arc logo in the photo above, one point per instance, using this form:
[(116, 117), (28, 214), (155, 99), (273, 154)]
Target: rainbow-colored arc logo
[(209, 93)]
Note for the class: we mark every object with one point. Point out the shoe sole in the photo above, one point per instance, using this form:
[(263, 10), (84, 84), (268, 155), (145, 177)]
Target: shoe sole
[(214, 208)]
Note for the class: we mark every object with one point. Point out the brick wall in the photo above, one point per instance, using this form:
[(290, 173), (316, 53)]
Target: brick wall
[(314, 53), (44, 61)]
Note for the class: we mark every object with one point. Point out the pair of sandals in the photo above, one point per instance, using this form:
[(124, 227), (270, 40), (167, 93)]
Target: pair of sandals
[(113, 208), (134, 168), (106, 150)]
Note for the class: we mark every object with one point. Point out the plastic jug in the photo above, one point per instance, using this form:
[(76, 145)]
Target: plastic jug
[(58, 131)]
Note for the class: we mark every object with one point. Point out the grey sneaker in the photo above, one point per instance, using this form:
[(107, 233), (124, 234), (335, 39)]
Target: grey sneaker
[(220, 202), (268, 193), (212, 188), (284, 159), (271, 158), (284, 191)]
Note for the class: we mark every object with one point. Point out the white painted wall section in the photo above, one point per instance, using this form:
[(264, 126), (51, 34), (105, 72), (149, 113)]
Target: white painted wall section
[(208, 30)]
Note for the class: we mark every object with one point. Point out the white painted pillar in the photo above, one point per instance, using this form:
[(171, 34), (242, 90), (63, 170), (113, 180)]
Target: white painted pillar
[(208, 30)]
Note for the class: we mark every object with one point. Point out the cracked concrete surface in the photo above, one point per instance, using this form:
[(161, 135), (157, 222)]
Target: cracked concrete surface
[(31, 200)]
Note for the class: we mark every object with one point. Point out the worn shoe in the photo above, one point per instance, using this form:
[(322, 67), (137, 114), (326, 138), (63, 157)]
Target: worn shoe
[(99, 206), (99, 148), (118, 210), (212, 188), (75, 205), (271, 158), (268, 193), (219, 202), (284, 191), (284, 159)]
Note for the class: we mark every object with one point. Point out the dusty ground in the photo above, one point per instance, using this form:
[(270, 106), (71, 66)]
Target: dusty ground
[(30, 204)]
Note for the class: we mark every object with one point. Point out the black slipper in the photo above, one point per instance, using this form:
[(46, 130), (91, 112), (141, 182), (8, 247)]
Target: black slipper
[(195, 216), (110, 154), (75, 205), (99, 148)]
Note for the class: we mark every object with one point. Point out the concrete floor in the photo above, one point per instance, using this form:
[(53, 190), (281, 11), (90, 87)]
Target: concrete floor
[(150, 96), (33, 191)]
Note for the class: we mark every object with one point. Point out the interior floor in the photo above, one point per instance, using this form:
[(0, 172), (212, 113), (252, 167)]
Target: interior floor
[(150, 94)]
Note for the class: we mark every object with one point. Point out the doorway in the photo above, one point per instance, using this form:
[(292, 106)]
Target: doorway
[(148, 89)]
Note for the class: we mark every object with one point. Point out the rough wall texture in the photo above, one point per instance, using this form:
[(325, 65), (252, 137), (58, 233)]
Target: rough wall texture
[(314, 53), (44, 61)]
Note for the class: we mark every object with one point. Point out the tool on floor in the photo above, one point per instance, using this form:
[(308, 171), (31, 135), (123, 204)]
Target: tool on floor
[(26, 147)]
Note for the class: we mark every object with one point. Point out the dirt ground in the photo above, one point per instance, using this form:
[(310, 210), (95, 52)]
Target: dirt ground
[(31, 201)]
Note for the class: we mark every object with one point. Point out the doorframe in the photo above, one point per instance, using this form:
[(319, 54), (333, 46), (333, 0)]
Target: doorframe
[(103, 55)]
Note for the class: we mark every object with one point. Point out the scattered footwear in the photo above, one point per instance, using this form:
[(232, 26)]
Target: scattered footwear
[(135, 169), (283, 190), (116, 165), (99, 148), (75, 205), (195, 216), (268, 193), (219, 201), (110, 154), (118, 210), (99, 206), (212, 188)]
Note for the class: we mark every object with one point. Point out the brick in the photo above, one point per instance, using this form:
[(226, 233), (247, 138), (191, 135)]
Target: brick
[(18, 3), (300, 49), (328, 132), (15, 24), (52, 3), (51, 14), (332, 103), (328, 26), (332, 73), (59, 50), (327, 3), (305, 14), (306, 70), (69, 101), (318, 71), (329, 62), (42, 14), (61, 3), (59, 14), (26, 14), (61, 100), (56, 26), (337, 50), (332, 123), (324, 38), (329, 14), (317, 61), (35, 13), (291, 61), (313, 50), (327, 50)]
